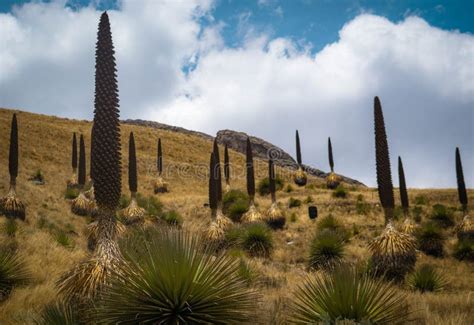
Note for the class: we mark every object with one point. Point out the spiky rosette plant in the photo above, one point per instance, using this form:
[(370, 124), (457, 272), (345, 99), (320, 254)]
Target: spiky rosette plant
[(92, 233), (86, 280), (252, 215), (332, 180), (81, 205), (72, 182), (11, 205), (393, 254), (460, 180), (226, 168), (299, 177), (409, 227), (133, 213), (403, 187), (465, 229), (384, 175), (13, 272), (275, 216), (160, 186)]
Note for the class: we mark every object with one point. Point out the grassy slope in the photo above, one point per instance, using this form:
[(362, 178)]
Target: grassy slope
[(45, 144)]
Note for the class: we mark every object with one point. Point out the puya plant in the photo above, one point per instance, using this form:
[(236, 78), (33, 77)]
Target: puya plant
[(276, 218), (11, 205), (88, 278), (460, 180), (252, 215), (226, 168), (384, 175), (133, 213), (393, 254), (72, 182), (81, 205), (219, 222), (160, 186), (332, 180), (299, 177), (403, 187)]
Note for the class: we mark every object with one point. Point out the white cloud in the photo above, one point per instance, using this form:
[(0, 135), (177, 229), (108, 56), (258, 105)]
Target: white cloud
[(268, 87)]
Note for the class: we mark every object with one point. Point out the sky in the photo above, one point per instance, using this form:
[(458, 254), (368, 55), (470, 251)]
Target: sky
[(265, 67)]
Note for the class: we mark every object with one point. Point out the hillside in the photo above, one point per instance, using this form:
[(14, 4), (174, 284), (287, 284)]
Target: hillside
[(45, 145)]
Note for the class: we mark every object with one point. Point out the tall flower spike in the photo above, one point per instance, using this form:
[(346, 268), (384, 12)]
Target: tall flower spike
[(218, 171), (300, 176), (74, 152), (275, 216), (271, 179), (82, 162), (213, 197), (226, 166), (298, 149), (81, 205), (460, 180), (160, 186), (13, 157), (331, 160), (250, 170), (159, 160), (384, 175), (403, 186)]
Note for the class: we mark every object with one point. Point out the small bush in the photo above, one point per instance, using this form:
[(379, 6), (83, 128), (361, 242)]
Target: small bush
[(421, 200), (329, 222), (417, 213), (63, 239), (442, 215), (362, 208), (13, 272), (10, 227), (464, 250), (173, 218), (430, 240), (340, 192), (289, 188), (71, 193), (264, 185), (247, 272), (309, 199), (426, 279), (124, 201), (348, 294), (294, 203), (59, 313), (327, 249), (293, 217), (257, 240), (37, 177), (235, 204)]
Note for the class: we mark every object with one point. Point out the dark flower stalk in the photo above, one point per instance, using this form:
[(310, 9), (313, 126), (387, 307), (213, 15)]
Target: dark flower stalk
[(403, 187), (462, 193), (331, 160), (227, 167)]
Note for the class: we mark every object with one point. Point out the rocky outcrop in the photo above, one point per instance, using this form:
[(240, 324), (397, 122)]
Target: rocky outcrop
[(237, 141)]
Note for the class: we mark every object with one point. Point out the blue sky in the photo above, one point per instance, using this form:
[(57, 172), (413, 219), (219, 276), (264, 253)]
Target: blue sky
[(264, 67)]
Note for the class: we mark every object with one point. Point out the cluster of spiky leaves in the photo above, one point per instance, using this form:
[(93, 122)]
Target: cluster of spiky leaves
[(403, 186), (173, 280), (393, 254), (348, 294), (460, 180), (327, 250), (426, 279), (465, 229), (430, 239), (106, 154), (250, 170), (13, 272), (384, 175), (333, 181), (256, 239), (59, 313)]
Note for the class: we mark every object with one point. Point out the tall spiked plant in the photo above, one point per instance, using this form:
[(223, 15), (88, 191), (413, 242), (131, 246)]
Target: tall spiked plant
[(160, 185), (300, 176), (215, 233), (133, 213), (384, 175), (403, 187), (72, 182), (81, 205), (226, 168), (332, 180), (460, 180), (89, 277), (11, 205), (252, 215), (275, 216)]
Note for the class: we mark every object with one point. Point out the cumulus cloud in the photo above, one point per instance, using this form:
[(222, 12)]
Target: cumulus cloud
[(267, 87)]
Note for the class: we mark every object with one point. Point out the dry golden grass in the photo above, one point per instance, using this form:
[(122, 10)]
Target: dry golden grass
[(45, 144)]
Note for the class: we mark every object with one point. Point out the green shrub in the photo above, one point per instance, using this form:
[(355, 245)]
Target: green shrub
[(309, 199), (173, 218), (430, 240), (233, 236), (417, 213), (59, 313), (293, 217), (264, 185), (10, 227), (442, 215), (340, 192), (71, 193), (326, 251), (13, 272), (235, 204), (174, 280), (426, 278), (421, 200), (289, 188), (294, 203), (362, 208), (63, 239), (247, 272), (464, 250), (257, 240), (329, 222), (348, 294), (124, 201)]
